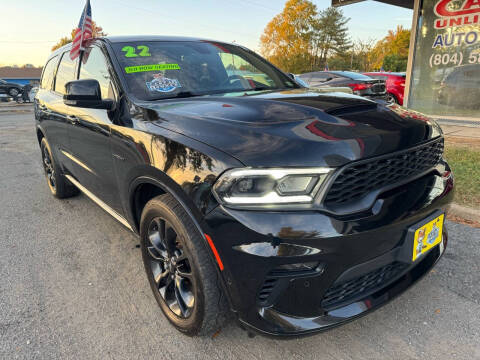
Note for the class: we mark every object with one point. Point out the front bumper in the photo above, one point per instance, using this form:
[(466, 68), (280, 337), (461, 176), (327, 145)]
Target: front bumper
[(281, 268)]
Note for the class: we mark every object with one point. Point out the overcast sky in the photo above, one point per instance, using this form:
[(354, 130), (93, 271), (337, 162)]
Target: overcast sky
[(29, 28)]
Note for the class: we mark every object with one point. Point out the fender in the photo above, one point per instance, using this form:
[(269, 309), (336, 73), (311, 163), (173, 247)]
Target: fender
[(160, 179)]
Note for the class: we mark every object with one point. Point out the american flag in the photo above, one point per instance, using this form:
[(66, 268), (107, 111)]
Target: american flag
[(84, 31)]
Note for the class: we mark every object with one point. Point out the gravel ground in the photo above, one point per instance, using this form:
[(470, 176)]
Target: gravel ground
[(72, 285)]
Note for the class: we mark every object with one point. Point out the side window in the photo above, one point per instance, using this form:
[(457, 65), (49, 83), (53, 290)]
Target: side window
[(65, 73), (94, 66), (48, 73)]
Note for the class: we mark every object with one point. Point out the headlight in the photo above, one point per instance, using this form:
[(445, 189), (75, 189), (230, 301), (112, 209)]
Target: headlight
[(240, 187)]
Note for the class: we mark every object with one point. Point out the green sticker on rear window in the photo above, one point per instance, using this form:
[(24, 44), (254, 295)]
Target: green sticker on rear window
[(154, 67)]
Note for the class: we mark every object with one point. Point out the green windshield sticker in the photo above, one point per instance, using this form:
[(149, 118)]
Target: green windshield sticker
[(144, 50), (153, 67), (131, 52)]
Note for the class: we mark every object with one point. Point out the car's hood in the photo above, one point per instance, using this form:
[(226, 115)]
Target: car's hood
[(293, 128)]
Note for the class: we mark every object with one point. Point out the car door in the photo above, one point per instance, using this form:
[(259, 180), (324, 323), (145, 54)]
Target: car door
[(58, 111), (89, 134), (50, 111)]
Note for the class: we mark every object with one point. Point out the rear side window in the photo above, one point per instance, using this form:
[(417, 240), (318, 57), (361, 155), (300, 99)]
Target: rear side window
[(48, 73), (65, 73)]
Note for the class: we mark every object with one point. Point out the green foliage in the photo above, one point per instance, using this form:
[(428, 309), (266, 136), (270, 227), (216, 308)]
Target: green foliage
[(394, 62), (392, 50), (330, 36), (464, 163)]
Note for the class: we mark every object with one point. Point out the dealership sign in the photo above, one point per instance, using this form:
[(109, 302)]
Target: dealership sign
[(455, 14), (450, 15)]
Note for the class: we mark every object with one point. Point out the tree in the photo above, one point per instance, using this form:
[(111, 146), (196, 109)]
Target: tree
[(392, 51), (287, 39), (301, 39), (330, 36), (394, 62), (97, 32)]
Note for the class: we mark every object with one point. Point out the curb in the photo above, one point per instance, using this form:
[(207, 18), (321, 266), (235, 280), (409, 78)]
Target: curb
[(465, 212), (9, 111)]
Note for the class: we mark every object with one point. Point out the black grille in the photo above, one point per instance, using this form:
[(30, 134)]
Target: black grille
[(355, 289), (358, 179)]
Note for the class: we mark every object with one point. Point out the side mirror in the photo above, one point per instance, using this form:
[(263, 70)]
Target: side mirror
[(86, 94), (328, 79), (291, 76)]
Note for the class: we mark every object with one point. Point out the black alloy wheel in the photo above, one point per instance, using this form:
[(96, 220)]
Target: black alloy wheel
[(58, 184), (171, 268), (48, 167), (180, 270)]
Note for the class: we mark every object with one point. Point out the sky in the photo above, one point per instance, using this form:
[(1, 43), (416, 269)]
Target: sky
[(29, 28)]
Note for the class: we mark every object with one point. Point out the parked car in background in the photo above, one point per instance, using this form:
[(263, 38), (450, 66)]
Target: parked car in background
[(324, 89), (360, 84), (394, 82), (461, 87), (297, 210), (9, 88)]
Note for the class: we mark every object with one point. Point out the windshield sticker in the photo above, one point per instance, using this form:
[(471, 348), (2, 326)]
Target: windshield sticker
[(131, 52), (162, 84), (153, 67)]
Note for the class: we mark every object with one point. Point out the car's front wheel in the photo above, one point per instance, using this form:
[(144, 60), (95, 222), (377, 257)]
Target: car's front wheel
[(181, 273)]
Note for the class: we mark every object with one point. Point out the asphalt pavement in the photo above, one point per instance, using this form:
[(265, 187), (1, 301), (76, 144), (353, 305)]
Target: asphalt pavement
[(72, 286)]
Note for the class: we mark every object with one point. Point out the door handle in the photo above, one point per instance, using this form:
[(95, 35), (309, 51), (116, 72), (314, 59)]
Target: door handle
[(73, 119)]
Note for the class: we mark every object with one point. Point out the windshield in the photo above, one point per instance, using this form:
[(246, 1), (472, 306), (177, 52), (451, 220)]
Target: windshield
[(168, 69)]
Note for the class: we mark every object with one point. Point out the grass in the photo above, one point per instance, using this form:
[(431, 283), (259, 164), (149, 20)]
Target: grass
[(465, 163)]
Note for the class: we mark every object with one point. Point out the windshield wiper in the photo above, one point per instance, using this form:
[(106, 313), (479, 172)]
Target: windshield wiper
[(182, 94)]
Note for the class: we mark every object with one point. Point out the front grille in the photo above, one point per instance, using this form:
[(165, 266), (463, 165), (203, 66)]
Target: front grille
[(355, 289), (378, 88), (360, 178)]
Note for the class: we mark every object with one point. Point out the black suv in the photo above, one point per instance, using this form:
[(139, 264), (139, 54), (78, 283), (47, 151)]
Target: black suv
[(296, 211)]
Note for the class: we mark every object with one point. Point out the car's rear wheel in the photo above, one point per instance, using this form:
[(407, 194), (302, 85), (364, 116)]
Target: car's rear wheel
[(391, 99), (59, 186), (13, 92), (181, 273)]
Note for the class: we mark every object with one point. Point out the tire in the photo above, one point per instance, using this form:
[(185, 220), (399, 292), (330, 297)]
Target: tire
[(391, 99), (172, 248), (58, 184), (13, 92)]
